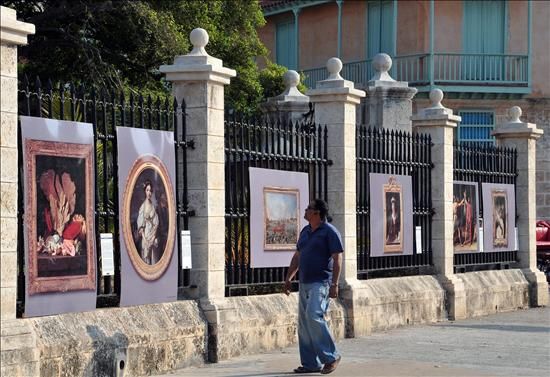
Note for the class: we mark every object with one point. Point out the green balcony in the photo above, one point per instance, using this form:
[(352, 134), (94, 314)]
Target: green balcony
[(459, 75)]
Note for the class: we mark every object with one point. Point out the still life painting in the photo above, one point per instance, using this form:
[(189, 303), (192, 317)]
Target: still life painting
[(60, 216)]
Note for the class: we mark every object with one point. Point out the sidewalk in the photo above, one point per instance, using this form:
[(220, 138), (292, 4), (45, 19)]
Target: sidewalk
[(506, 344)]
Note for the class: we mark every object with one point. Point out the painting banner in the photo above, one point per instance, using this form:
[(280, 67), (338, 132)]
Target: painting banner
[(147, 216), (499, 217), (60, 255), (391, 200), (277, 203), (465, 217)]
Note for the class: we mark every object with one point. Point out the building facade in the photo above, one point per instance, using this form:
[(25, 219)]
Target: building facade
[(485, 55)]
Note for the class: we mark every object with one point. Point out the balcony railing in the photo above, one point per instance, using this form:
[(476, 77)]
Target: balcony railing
[(467, 70)]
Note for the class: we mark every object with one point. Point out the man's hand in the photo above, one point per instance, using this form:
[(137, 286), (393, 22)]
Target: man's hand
[(287, 287), (333, 291)]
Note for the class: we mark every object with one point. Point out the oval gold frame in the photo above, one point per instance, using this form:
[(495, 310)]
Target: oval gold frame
[(147, 271)]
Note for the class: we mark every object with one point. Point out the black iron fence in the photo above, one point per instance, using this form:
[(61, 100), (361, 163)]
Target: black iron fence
[(484, 164), (106, 110), (300, 147), (393, 152)]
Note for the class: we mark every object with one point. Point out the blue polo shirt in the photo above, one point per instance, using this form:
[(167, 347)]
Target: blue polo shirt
[(316, 249)]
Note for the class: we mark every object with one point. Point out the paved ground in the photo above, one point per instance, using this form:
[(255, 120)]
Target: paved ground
[(506, 344)]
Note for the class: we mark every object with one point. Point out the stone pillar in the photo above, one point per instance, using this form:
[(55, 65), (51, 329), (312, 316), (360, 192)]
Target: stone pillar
[(199, 80), (523, 137), (12, 34), (439, 122), (388, 102), (18, 352), (290, 105), (335, 102)]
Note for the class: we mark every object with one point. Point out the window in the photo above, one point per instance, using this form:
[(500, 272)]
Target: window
[(484, 33), (476, 127), (285, 45), (380, 28)]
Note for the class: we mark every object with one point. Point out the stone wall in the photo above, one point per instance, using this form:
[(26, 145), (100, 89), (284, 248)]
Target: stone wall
[(489, 292), (150, 339), (382, 304), (254, 324)]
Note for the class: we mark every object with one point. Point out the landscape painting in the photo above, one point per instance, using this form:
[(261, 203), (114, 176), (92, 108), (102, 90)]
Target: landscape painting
[(281, 213)]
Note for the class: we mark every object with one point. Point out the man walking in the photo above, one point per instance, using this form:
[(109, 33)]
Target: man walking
[(319, 259)]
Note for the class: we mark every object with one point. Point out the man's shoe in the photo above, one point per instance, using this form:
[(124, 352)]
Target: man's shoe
[(331, 367), (301, 369)]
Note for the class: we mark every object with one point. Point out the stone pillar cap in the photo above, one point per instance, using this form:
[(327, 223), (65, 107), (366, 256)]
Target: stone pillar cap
[(515, 128), (12, 31), (381, 63), (198, 65), (436, 111), (334, 80), (291, 93)]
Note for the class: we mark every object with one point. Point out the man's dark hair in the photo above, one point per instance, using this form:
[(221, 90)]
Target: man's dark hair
[(322, 207)]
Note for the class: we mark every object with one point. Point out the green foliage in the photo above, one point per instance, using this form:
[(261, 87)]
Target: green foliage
[(232, 28), (271, 80), (105, 43), (121, 44)]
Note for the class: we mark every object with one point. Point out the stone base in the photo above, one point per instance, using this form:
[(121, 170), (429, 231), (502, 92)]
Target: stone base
[(18, 349), (150, 339), (538, 287), (489, 292), (253, 324), (382, 304)]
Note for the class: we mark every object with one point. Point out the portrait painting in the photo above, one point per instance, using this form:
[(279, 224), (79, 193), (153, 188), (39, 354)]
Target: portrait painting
[(499, 217), (59, 215), (281, 213), (393, 214), (148, 221), (465, 217), (500, 229)]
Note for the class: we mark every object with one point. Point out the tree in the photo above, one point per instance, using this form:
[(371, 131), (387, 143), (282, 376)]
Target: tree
[(121, 44), (111, 44), (232, 27)]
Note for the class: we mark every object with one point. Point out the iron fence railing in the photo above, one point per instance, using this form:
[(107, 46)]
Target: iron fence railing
[(300, 147), (393, 152), (484, 164), (106, 110)]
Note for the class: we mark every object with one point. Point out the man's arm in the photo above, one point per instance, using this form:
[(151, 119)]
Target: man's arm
[(336, 268), (292, 269)]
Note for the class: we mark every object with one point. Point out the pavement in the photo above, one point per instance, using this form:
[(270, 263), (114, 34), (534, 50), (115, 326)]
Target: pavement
[(505, 344)]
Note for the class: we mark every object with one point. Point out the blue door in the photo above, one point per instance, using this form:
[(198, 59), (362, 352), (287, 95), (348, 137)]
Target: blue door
[(380, 28), (285, 45), (484, 40)]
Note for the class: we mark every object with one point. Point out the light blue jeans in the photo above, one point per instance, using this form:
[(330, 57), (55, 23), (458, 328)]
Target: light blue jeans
[(316, 343)]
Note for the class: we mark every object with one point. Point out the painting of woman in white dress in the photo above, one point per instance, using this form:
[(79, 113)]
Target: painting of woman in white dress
[(147, 226), (149, 221), (148, 217)]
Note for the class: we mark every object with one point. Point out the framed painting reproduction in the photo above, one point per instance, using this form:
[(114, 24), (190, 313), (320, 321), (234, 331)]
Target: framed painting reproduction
[(277, 202), (391, 201), (281, 214), (498, 217), (465, 217), (59, 215), (147, 216)]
